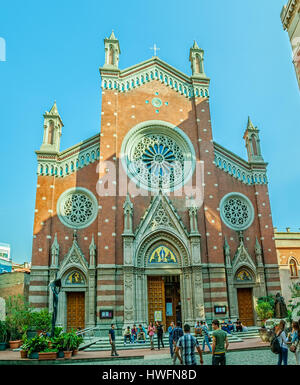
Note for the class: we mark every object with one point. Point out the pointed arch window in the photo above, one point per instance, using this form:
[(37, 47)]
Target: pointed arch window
[(293, 268)]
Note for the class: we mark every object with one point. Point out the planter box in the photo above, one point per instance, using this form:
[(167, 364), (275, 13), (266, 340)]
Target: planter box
[(34, 355), (23, 353), (47, 355), (60, 354), (3, 345), (15, 344), (68, 354)]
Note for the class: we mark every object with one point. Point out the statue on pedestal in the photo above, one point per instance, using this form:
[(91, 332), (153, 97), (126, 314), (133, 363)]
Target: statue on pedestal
[(280, 309)]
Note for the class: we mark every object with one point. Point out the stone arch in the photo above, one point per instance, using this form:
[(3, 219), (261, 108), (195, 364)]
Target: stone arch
[(159, 236)]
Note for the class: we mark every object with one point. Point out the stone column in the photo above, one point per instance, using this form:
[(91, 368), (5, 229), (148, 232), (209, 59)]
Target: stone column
[(198, 295), (188, 297), (129, 296)]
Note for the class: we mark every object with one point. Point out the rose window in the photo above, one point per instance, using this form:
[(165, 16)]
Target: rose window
[(77, 208), (236, 211), (158, 155), (158, 161)]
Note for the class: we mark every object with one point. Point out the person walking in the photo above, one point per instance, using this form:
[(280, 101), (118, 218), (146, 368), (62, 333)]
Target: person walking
[(206, 336), (282, 338), (151, 331), (170, 331), (177, 333), (160, 333), (186, 346), (220, 344), (112, 340)]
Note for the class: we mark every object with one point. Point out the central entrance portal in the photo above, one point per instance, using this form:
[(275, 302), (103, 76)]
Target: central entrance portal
[(164, 299)]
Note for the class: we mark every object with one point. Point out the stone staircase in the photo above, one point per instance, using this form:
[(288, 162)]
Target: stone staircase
[(102, 343)]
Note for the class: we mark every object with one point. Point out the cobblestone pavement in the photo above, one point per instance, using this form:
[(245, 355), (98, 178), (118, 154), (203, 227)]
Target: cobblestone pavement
[(245, 357)]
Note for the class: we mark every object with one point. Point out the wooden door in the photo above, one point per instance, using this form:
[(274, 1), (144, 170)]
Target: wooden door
[(75, 310), (245, 303), (156, 298)]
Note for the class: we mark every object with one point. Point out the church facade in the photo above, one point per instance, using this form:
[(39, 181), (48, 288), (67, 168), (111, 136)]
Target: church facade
[(151, 219)]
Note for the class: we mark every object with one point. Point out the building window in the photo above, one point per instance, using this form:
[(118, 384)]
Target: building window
[(236, 211), (77, 208), (293, 268)]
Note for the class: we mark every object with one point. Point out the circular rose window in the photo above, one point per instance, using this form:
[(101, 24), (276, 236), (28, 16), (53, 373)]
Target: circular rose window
[(77, 208), (236, 211), (157, 156)]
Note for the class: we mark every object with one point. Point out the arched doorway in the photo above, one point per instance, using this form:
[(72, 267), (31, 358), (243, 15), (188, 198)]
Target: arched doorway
[(244, 283)]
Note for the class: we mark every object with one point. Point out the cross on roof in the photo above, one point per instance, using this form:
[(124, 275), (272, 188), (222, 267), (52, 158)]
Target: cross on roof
[(155, 48)]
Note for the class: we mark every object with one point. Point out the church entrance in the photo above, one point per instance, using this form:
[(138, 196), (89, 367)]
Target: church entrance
[(245, 304), (75, 310), (164, 299)]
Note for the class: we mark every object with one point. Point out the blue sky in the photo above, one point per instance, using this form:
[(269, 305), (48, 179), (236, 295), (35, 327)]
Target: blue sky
[(54, 50)]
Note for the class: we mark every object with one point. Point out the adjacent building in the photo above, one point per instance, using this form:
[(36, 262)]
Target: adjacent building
[(151, 219), (288, 254), (5, 258), (290, 17)]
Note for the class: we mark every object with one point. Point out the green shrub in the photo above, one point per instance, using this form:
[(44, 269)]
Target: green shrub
[(17, 316), (41, 320), (264, 310), (37, 344)]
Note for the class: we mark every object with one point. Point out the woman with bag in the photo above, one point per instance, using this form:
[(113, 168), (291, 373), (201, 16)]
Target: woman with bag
[(280, 334), (295, 346), (151, 331)]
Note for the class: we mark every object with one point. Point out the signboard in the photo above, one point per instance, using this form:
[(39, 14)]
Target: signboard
[(106, 314), (169, 309), (220, 309), (158, 315)]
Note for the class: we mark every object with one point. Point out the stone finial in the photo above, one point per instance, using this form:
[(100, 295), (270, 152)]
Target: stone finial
[(128, 214), (92, 249), (196, 59), (193, 210), (54, 252)]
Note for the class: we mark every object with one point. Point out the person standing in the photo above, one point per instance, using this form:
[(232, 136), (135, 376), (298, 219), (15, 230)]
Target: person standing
[(296, 341), (112, 340), (160, 333), (177, 333), (186, 346), (280, 333), (205, 336), (151, 331), (220, 344), (170, 331)]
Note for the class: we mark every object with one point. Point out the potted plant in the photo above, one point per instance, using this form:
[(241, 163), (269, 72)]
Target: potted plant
[(264, 311), (58, 342), (70, 343), (37, 344), (40, 321), (79, 341), (24, 346), (18, 315), (3, 335), (48, 354)]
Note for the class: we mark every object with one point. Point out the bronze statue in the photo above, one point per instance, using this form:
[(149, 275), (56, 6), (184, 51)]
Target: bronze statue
[(280, 309), (55, 287)]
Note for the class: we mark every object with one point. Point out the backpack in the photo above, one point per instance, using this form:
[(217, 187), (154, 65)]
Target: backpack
[(275, 345)]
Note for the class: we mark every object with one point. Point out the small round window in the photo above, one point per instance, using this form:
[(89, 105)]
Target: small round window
[(236, 211)]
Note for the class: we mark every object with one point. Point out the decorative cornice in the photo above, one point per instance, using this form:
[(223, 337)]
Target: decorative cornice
[(69, 160), (150, 70), (238, 168), (287, 12)]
